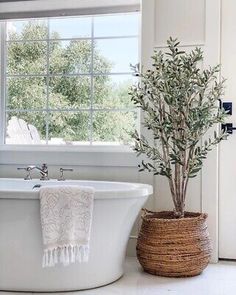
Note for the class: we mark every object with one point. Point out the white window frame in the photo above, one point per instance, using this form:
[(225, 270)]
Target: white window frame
[(52, 154)]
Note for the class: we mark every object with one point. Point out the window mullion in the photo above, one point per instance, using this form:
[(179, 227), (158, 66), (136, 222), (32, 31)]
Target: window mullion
[(3, 37), (47, 81), (92, 82), (75, 39)]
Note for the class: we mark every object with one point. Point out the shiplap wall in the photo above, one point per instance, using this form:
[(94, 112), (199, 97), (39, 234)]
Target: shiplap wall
[(185, 20), (194, 23)]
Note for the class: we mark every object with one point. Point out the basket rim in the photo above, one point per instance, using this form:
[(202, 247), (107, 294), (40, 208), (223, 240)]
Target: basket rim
[(149, 215)]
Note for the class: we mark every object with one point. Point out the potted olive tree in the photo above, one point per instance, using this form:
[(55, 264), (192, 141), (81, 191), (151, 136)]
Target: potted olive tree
[(180, 105)]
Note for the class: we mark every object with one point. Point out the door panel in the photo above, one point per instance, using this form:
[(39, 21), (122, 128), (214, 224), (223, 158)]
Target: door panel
[(227, 158)]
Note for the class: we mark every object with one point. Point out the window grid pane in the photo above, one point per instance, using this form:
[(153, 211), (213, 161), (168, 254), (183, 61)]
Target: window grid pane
[(48, 52), (94, 109), (92, 83)]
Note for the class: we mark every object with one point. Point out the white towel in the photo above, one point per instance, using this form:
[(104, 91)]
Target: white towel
[(66, 217)]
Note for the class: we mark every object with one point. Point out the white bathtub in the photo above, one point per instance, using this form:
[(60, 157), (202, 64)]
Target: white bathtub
[(115, 210)]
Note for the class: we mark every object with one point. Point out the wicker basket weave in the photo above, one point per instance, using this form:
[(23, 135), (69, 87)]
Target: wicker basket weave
[(174, 247)]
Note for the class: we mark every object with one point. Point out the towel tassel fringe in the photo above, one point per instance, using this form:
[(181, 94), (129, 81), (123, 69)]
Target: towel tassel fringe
[(65, 255)]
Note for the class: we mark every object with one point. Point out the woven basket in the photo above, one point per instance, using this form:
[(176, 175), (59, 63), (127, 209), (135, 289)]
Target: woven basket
[(174, 247)]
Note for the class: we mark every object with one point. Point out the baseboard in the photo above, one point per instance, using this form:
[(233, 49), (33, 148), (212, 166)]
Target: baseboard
[(131, 248)]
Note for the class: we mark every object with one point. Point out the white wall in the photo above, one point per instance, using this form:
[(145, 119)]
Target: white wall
[(194, 23)]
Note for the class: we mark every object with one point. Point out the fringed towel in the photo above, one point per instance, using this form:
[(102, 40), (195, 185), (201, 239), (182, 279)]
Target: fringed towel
[(66, 217)]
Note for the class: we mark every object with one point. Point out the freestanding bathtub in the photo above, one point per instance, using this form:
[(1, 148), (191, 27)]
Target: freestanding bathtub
[(116, 207)]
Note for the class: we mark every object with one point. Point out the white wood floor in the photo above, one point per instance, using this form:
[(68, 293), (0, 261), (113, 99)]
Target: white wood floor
[(217, 279)]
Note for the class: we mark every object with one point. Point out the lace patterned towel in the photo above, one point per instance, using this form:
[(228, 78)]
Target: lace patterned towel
[(66, 217)]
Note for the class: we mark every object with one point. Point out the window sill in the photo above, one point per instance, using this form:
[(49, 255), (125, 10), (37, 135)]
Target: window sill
[(120, 156), (66, 148)]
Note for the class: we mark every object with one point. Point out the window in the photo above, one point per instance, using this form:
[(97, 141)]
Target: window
[(66, 80)]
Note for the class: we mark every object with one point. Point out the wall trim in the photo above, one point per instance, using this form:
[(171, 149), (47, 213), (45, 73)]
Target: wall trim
[(82, 158), (210, 171)]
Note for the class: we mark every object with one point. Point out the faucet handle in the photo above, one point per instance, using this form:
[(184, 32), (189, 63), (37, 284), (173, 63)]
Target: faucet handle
[(44, 167), (28, 170), (62, 170)]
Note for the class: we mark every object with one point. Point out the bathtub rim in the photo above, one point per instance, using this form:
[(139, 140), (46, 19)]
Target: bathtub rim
[(135, 190)]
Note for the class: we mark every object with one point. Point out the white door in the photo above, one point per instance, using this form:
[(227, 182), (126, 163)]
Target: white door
[(227, 159)]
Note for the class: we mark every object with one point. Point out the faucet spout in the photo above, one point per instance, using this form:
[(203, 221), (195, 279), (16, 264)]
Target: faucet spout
[(43, 171)]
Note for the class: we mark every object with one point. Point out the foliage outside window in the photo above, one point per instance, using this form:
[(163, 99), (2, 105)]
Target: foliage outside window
[(67, 79)]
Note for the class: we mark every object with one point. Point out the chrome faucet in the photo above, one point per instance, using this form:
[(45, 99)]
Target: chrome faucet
[(43, 171), (62, 177), (28, 170)]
